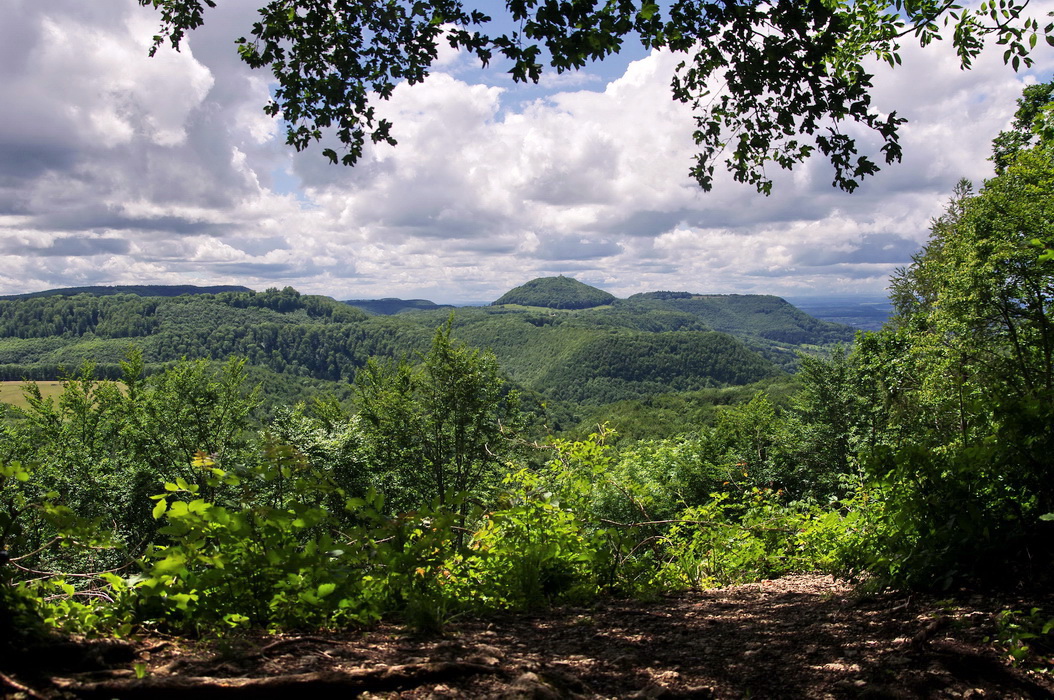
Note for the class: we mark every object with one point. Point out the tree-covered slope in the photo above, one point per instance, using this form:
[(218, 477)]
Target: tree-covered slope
[(556, 293), (628, 349), (130, 316), (392, 306), (602, 355), (611, 368), (760, 315), (283, 330), (143, 290)]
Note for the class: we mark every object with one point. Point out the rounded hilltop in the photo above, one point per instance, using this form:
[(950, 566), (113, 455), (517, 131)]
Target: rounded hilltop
[(556, 293)]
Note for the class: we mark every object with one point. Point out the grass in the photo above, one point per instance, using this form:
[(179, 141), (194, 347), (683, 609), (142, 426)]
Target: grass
[(11, 392)]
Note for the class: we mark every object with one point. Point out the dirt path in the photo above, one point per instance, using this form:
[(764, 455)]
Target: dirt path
[(797, 637)]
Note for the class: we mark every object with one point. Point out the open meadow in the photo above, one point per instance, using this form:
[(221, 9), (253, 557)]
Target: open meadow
[(11, 392)]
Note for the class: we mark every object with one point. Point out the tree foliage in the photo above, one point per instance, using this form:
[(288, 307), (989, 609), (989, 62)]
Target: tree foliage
[(610, 368), (965, 387), (770, 82), (439, 428)]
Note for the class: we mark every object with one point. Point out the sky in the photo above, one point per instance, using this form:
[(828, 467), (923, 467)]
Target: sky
[(117, 168)]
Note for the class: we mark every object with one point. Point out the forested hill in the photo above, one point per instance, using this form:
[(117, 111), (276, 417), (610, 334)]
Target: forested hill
[(391, 306), (143, 290), (757, 315), (627, 349), (768, 324), (556, 293)]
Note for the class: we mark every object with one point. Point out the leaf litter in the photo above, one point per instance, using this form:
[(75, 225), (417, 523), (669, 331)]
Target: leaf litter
[(802, 636)]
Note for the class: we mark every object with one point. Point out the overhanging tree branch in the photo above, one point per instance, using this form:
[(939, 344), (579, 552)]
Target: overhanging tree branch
[(794, 71)]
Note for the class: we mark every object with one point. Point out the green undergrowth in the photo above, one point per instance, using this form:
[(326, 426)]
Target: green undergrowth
[(262, 547)]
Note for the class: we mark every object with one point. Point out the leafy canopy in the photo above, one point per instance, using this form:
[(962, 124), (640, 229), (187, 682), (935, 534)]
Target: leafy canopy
[(965, 377), (770, 82), (439, 428)]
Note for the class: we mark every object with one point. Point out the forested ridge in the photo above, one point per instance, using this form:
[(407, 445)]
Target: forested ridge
[(648, 347), (391, 306), (763, 316), (145, 290), (457, 481)]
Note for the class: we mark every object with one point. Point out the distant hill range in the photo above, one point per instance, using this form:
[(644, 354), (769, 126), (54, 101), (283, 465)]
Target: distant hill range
[(761, 316), (555, 337), (392, 306), (143, 290), (556, 293), (810, 320)]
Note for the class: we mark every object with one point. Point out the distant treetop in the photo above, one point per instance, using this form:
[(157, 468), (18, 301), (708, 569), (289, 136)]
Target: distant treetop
[(556, 293), (390, 306), (143, 290), (663, 295)]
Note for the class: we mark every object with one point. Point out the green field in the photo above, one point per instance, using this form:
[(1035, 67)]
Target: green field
[(11, 392)]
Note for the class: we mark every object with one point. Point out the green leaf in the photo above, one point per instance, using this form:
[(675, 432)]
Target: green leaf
[(183, 599), (170, 564), (325, 589), (235, 619), (160, 508)]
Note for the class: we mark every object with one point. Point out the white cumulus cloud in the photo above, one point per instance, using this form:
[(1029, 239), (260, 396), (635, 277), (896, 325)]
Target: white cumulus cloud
[(116, 168)]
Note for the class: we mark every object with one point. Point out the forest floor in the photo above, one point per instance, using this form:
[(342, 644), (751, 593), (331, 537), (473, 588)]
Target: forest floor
[(802, 636)]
